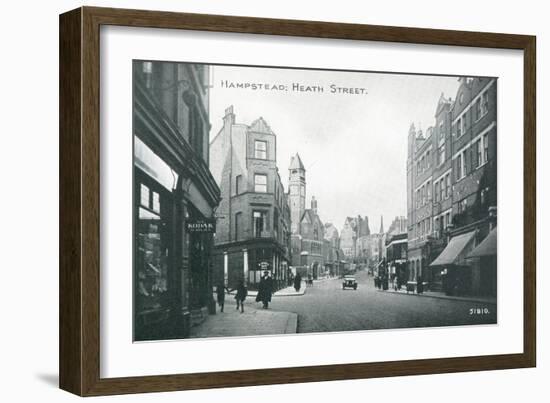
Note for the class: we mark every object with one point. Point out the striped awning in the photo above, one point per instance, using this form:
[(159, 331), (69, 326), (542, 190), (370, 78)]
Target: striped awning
[(487, 247), (454, 250)]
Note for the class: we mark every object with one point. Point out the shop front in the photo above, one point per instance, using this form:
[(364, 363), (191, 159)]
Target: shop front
[(174, 194)]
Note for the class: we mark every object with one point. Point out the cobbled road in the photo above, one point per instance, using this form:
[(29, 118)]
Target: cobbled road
[(327, 308)]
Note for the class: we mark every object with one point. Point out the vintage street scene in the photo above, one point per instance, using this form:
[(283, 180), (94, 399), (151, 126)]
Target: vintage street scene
[(271, 200)]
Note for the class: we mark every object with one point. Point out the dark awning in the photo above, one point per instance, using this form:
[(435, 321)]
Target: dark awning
[(487, 247), (454, 250)]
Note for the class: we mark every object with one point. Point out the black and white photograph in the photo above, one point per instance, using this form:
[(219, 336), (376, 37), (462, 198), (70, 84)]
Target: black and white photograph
[(271, 200)]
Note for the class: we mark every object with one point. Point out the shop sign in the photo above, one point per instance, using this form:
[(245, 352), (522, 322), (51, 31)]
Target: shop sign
[(263, 265), (202, 225)]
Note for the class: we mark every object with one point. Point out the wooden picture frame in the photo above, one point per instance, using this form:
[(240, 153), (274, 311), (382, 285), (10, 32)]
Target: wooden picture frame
[(80, 187)]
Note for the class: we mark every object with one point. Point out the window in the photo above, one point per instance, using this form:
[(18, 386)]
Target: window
[(148, 73), (316, 234), (448, 187), (448, 219), (260, 149), (441, 132), (144, 195), (156, 202), (485, 147), (428, 159), (436, 193), (238, 184), (441, 154), (464, 123), (484, 103), (478, 109), (259, 222), (436, 226), (478, 153), (460, 166), (428, 226), (462, 205), (459, 127), (238, 226), (260, 183), (429, 189)]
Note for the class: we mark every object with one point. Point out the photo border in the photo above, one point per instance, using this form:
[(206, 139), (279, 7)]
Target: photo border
[(79, 216)]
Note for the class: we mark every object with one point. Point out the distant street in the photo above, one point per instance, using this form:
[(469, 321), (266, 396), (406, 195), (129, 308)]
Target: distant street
[(326, 307)]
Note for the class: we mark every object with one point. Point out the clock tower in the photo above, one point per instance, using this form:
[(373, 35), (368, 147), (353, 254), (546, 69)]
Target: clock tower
[(297, 192)]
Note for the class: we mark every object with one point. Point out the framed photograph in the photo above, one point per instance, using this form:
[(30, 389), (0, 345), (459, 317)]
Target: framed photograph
[(249, 201)]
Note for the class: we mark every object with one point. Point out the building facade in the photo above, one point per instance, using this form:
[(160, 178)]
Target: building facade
[(354, 239), (175, 197), (451, 188), (310, 250), (334, 257), (253, 219)]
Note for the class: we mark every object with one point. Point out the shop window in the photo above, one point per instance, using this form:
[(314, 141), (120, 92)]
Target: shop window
[(153, 240)]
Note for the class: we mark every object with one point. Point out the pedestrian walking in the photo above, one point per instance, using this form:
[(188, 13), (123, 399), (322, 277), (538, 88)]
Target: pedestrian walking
[(297, 282), (419, 284), (241, 294), (220, 295), (265, 289)]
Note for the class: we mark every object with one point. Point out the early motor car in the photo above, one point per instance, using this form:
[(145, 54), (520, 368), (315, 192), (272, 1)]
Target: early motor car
[(349, 282)]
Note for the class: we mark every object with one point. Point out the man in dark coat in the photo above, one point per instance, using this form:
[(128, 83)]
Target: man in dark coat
[(265, 289), (240, 296), (297, 282)]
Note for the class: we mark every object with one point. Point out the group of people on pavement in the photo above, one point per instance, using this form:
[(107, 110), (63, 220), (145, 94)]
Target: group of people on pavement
[(265, 291)]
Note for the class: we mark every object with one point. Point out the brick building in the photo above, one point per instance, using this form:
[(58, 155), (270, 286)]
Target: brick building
[(451, 190), (310, 250), (253, 219)]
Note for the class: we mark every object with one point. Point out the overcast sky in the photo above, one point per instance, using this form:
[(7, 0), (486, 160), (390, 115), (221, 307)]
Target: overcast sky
[(354, 146)]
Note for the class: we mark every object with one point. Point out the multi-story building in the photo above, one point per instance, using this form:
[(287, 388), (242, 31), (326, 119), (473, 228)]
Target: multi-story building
[(354, 238), (396, 249), (398, 226), (253, 219), (333, 255), (308, 232), (175, 197), (451, 190)]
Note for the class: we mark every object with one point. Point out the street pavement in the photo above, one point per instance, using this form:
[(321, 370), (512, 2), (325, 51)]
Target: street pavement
[(252, 322), (326, 307)]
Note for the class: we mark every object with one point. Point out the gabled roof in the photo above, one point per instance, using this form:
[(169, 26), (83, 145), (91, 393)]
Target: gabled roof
[(311, 217), (261, 126), (441, 103), (296, 162)]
